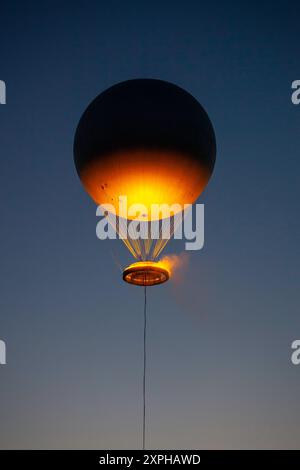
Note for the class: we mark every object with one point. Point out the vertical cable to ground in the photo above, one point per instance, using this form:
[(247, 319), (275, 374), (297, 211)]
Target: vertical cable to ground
[(144, 374)]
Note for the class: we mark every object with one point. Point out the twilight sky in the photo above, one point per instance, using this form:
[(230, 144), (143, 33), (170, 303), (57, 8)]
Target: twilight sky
[(219, 341)]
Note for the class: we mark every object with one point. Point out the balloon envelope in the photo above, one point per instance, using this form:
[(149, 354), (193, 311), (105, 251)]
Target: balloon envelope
[(148, 140)]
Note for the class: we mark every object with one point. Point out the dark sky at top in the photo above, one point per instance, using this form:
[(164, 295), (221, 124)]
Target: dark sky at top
[(219, 374)]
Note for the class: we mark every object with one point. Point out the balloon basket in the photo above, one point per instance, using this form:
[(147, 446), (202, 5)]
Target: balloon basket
[(145, 273)]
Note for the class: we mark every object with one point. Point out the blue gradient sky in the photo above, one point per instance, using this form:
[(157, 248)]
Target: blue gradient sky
[(219, 373)]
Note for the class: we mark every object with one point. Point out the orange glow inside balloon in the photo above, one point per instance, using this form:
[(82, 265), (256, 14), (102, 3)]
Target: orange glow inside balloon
[(145, 177)]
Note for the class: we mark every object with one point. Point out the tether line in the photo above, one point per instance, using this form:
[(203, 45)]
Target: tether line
[(145, 363)]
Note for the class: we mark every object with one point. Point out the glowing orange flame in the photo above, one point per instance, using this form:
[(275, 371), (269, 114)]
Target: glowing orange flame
[(174, 264)]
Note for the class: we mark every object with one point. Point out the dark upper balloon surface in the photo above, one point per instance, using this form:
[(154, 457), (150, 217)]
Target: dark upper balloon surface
[(145, 113)]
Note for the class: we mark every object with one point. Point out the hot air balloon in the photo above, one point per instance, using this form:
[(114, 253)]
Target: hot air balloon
[(153, 142)]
